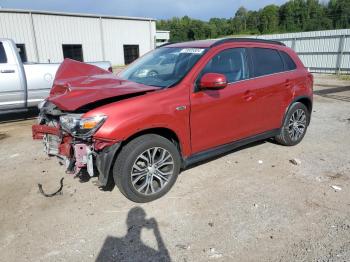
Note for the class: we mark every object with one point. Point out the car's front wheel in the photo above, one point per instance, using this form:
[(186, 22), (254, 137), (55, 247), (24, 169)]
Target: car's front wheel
[(146, 168), (295, 125)]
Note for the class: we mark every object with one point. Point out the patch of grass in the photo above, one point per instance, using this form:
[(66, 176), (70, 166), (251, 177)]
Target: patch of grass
[(344, 77)]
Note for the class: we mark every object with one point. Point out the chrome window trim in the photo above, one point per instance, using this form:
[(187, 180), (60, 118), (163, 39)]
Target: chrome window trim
[(262, 76)]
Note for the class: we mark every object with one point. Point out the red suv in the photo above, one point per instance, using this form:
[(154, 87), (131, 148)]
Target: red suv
[(175, 106)]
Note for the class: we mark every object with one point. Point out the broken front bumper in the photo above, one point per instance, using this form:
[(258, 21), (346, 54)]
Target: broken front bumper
[(96, 157)]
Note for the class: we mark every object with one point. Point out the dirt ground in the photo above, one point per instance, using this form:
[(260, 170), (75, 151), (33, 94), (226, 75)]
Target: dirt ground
[(250, 205)]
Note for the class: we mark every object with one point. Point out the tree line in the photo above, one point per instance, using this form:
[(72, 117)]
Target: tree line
[(293, 16)]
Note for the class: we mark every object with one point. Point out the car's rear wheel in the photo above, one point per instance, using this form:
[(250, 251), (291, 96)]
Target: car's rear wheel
[(146, 168), (295, 125)]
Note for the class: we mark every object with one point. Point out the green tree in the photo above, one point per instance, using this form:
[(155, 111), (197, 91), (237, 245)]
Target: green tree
[(253, 22), (339, 11), (293, 16), (269, 19), (240, 20)]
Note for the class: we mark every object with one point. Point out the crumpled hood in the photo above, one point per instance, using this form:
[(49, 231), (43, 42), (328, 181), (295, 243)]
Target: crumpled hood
[(77, 84)]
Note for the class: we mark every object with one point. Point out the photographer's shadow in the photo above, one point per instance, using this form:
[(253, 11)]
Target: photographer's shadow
[(130, 247)]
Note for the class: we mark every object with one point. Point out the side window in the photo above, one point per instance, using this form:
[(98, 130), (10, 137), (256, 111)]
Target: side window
[(131, 53), (266, 61), (288, 61), (73, 52), (231, 62), (3, 58)]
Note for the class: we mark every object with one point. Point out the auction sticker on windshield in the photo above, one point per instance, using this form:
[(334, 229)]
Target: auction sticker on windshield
[(192, 51)]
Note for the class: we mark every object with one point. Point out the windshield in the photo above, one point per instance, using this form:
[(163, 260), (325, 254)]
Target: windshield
[(163, 67)]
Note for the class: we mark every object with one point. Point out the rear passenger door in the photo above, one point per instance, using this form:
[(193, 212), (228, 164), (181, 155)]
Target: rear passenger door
[(271, 88)]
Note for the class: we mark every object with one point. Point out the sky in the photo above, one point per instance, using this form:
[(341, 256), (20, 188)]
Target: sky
[(159, 9)]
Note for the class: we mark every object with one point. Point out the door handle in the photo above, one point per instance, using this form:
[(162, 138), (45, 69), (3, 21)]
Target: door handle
[(248, 95), (7, 71)]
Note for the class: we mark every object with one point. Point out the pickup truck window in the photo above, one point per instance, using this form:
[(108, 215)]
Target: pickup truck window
[(3, 58), (151, 69), (21, 48)]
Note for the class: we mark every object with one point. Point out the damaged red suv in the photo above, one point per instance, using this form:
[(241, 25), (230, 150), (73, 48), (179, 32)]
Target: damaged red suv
[(177, 105)]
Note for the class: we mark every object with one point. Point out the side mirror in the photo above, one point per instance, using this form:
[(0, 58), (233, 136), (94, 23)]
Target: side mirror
[(213, 81)]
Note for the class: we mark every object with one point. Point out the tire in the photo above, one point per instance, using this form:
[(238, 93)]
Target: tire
[(138, 171), (289, 136)]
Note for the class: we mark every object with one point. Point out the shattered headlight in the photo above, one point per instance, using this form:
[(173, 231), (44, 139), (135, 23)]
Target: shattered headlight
[(82, 127)]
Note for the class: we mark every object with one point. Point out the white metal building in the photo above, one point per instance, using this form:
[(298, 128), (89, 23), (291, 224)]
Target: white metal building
[(50, 36), (162, 37)]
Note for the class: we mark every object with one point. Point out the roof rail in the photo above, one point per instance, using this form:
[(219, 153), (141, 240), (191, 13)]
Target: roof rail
[(252, 40)]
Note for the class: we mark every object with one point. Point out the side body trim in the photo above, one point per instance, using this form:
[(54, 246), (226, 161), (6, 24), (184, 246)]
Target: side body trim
[(216, 151)]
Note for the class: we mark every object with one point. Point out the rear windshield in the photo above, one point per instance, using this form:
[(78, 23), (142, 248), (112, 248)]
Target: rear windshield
[(3, 58)]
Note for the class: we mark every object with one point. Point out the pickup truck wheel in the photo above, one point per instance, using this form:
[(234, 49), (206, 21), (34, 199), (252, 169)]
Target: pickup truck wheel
[(294, 126), (146, 168)]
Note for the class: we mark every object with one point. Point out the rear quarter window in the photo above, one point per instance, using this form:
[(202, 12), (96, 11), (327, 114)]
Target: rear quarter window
[(3, 58), (288, 61), (266, 61)]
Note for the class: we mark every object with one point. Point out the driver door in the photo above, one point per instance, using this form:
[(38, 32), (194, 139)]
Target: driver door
[(11, 87), (221, 116)]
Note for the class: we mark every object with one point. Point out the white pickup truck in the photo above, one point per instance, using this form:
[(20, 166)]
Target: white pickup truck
[(25, 85)]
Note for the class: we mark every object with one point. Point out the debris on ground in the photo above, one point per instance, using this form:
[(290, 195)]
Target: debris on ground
[(181, 246), (336, 188), (260, 161), (211, 224), (295, 161), (212, 253), (59, 191), (14, 155)]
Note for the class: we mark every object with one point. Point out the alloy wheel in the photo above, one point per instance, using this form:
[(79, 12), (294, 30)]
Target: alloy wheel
[(152, 170), (297, 125)]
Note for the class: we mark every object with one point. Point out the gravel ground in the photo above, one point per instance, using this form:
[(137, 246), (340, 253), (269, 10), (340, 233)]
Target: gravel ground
[(250, 205)]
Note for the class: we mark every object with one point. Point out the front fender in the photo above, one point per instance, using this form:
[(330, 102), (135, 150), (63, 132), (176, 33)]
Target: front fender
[(155, 110)]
